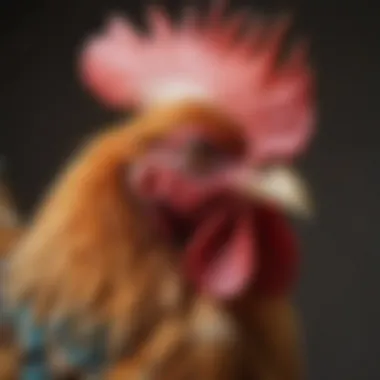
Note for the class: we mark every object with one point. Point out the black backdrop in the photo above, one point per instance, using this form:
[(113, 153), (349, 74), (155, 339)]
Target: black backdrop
[(44, 114)]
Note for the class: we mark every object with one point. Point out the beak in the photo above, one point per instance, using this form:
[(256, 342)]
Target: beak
[(280, 186)]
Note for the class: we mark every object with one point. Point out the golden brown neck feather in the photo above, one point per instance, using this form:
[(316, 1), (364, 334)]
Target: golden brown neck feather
[(86, 241), (88, 250)]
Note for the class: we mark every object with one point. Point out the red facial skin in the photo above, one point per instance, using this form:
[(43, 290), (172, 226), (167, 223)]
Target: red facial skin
[(231, 244)]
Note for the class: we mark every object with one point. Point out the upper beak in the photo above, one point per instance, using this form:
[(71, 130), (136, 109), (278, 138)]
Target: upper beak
[(281, 186)]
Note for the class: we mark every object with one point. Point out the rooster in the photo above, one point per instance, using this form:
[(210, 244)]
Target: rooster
[(162, 252)]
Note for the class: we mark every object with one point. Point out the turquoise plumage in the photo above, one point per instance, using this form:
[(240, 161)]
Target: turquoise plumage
[(84, 355)]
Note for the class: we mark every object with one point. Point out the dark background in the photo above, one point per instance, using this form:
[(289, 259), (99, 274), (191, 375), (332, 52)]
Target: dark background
[(45, 114)]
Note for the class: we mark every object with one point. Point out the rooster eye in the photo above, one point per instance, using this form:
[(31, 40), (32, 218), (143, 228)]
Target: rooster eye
[(203, 148), (204, 157)]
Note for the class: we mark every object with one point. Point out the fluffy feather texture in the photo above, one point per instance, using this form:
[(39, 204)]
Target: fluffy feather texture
[(225, 61), (98, 261), (89, 228)]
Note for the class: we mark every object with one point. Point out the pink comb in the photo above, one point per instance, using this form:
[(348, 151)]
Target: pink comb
[(211, 60)]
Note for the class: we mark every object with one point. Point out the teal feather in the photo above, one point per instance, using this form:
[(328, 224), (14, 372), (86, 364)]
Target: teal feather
[(85, 352)]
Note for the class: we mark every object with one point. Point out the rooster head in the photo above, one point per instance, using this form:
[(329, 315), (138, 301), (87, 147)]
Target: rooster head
[(224, 120)]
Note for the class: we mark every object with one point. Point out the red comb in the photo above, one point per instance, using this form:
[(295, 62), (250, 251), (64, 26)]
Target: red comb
[(217, 59)]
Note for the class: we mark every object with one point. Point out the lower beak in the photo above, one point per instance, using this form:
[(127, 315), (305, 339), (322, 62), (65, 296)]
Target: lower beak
[(281, 186)]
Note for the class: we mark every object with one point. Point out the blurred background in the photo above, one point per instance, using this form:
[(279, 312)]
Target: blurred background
[(45, 114)]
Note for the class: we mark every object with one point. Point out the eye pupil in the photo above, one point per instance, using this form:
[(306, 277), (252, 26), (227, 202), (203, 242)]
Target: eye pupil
[(205, 149), (204, 157)]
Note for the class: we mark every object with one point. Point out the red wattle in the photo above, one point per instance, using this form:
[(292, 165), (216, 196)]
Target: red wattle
[(221, 256)]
